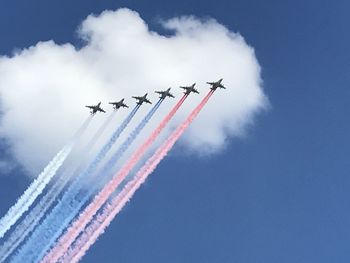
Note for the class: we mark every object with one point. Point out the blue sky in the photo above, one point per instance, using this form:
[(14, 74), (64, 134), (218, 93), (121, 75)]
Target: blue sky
[(278, 195)]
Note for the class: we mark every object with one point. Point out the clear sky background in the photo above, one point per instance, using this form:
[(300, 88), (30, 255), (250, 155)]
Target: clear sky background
[(278, 195)]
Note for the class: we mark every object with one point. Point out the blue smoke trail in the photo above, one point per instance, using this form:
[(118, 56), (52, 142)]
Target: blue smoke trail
[(108, 168), (31, 250)]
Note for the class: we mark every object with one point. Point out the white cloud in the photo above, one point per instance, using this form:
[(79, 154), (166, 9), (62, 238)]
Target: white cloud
[(43, 88)]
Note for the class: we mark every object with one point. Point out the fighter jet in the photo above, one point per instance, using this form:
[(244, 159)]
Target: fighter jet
[(142, 99), (119, 104), (95, 109), (165, 93), (217, 84), (190, 89)]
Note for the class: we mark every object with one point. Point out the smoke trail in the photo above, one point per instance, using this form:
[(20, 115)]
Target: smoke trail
[(60, 216), (37, 186), (111, 209), (36, 214), (126, 144), (90, 145), (73, 231), (80, 197)]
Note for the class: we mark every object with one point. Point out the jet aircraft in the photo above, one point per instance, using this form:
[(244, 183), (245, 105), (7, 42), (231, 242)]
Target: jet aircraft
[(142, 99), (217, 84), (119, 104), (165, 93), (95, 109), (190, 89)]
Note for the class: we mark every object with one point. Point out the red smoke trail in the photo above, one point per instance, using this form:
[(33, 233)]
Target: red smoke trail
[(87, 215), (111, 209)]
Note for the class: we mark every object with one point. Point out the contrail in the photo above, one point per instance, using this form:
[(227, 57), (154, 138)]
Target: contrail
[(108, 167), (31, 248), (78, 198), (93, 141), (111, 209), (36, 214), (60, 216), (38, 185), (73, 231)]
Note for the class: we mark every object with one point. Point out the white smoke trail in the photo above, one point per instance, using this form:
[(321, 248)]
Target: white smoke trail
[(37, 186), (37, 213), (32, 192)]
